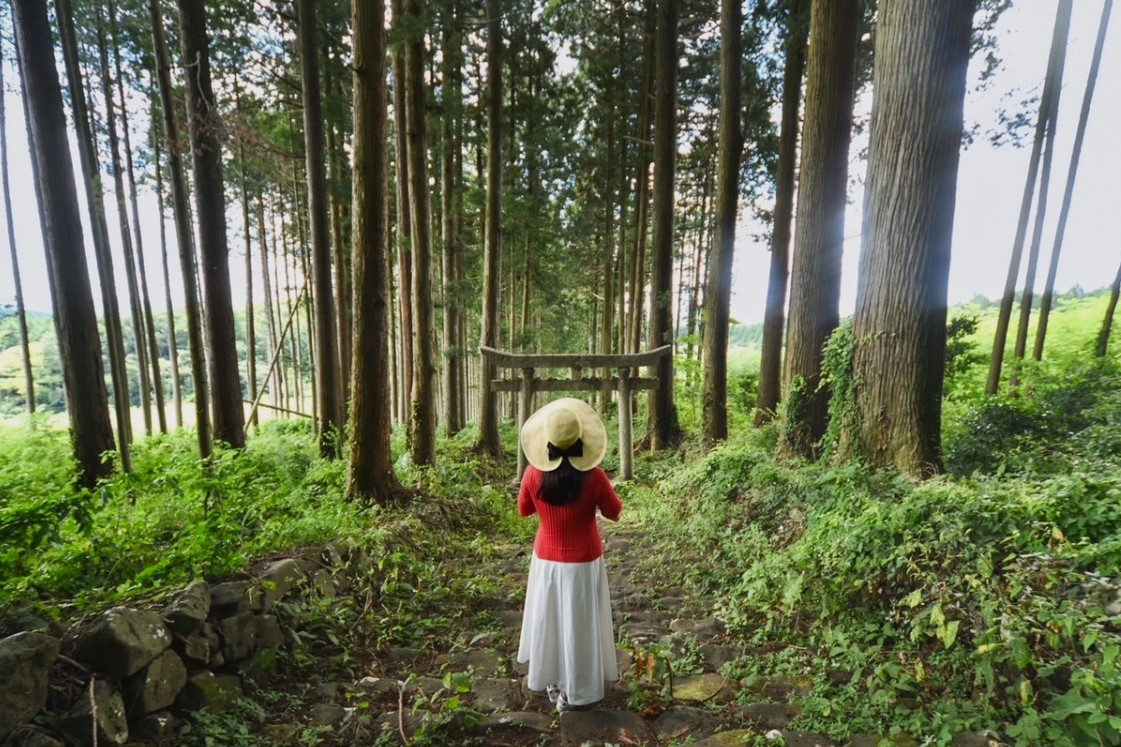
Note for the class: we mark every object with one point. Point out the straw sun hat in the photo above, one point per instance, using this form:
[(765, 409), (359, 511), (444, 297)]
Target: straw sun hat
[(552, 432)]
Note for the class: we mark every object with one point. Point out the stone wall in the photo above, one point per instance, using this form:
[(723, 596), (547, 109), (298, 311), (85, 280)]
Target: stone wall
[(142, 669)]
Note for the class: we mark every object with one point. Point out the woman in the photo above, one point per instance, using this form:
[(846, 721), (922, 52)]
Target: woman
[(566, 627)]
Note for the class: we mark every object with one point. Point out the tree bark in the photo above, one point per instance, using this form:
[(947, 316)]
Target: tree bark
[(815, 287), (1107, 322), (422, 444), (96, 208), (79, 342), (370, 477), (1072, 173), (1055, 62), (153, 349), (899, 329), (336, 177), (664, 428), (637, 278), (250, 331), (450, 176), (328, 372), (210, 200), (184, 233), (404, 216), (266, 289), (718, 294), (24, 342), (492, 261), (172, 344), (117, 170), (770, 363)]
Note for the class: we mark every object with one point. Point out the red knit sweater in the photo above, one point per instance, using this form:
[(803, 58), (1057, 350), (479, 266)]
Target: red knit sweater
[(569, 534)]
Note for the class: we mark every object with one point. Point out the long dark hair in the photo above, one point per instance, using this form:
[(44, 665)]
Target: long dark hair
[(561, 486)]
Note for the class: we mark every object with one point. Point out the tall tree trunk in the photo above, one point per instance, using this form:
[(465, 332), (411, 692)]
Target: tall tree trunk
[(96, 208), (371, 476), (452, 103), (210, 200), (422, 423), (117, 170), (1051, 81), (250, 332), (328, 371), (266, 289), (24, 342), (492, 260), (663, 425), (718, 294), (404, 214), (302, 268), (770, 363), (637, 280), (130, 170), (335, 180), (79, 343), (285, 380), (899, 329), (815, 287), (172, 345), (1107, 322), (1064, 210), (184, 233)]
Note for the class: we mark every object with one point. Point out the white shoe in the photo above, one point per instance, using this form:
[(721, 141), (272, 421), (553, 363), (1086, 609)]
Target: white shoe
[(562, 702)]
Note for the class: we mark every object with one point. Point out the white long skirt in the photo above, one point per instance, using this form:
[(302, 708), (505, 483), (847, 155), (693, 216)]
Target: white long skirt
[(567, 636)]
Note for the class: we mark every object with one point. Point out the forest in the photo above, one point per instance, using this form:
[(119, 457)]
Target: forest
[(312, 263)]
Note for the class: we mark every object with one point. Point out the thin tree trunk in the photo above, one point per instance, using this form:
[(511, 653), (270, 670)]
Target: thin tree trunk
[(284, 381), (899, 328), (303, 266), (210, 198), (1064, 211), (637, 279), (117, 170), (250, 332), (404, 216), (335, 178), (718, 290), (184, 233), (488, 415), (815, 288), (24, 342), (371, 476), (96, 209), (452, 109), (145, 300), (1107, 322), (1053, 77), (770, 363), (663, 425), (266, 288), (700, 251), (79, 343), (422, 423), (172, 344), (328, 370)]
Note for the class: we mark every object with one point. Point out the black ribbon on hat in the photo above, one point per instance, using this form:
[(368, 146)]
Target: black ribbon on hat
[(575, 450)]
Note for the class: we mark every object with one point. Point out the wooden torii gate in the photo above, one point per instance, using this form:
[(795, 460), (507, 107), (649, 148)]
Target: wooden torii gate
[(625, 381)]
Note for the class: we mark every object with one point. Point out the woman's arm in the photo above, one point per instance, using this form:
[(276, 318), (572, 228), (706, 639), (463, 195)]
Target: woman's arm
[(609, 504), (525, 494)]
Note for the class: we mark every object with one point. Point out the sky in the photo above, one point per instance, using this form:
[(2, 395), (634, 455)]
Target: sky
[(990, 184)]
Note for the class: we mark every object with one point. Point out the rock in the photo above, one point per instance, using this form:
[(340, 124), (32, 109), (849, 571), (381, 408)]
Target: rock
[(327, 714), (378, 685), (257, 666), (279, 578), (155, 686), (642, 632), (239, 636), (404, 656), (771, 715), (716, 656), (523, 721), (669, 603), (159, 727), (600, 726), (510, 619), (481, 661), (779, 688), (283, 733), (122, 641), (30, 736), (234, 597), (190, 608), (708, 627), (214, 692), (678, 722), (269, 634), (839, 677), (323, 584), (392, 721), (806, 739), (198, 648), (25, 663), (329, 690), (112, 726), (702, 688), (977, 739), (736, 738), (489, 696)]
